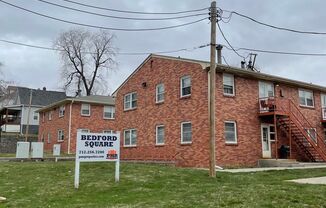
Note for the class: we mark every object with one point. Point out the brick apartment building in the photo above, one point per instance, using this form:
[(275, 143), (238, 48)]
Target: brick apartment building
[(162, 113), (60, 121)]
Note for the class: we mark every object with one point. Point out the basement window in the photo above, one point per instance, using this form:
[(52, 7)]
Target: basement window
[(228, 84), (230, 132), (306, 98)]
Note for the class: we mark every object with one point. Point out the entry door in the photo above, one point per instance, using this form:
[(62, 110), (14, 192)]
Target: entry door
[(266, 141)]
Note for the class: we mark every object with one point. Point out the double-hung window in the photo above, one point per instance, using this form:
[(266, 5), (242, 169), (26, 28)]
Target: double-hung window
[(62, 111), (50, 115), (230, 132), (186, 132), (109, 112), (130, 138), (61, 135), (306, 98), (159, 134), (130, 101), (159, 93), (228, 84), (185, 86), (85, 109)]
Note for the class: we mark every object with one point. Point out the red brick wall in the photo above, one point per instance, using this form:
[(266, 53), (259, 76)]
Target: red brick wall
[(242, 108), (95, 123), (171, 113)]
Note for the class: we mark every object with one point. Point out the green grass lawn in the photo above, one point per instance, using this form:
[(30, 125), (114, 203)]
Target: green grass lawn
[(49, 184)]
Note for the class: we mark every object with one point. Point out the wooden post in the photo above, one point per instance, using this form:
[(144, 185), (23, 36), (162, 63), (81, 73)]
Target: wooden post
[(211, 91)]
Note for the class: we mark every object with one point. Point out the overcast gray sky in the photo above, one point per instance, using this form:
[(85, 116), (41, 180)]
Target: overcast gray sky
[(37, 68)]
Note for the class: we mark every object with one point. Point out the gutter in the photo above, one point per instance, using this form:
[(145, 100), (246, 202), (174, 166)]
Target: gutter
[(69, 126)]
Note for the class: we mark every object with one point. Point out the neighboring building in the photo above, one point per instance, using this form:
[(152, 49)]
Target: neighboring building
[(162, 113), (16, 112), (60, 121)]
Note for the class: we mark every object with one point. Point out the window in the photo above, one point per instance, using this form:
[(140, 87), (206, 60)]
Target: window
[(323, 101), (50, 115), (85, 109), (186, 132), (43, 117), (130, 138), (312, 133), (83, 130), (35, 116), (160, 134), (306, 98), (272, 132), (266, 89), (185, 86), (159, 93), (49, 138), (42, 138), (109, 132), (130, 101), (62, 111), (61, 135), (109, 112), (228, 84), (230, 132)]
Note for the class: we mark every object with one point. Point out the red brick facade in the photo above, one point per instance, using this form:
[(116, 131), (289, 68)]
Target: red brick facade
[(242, 108), (95, 122)]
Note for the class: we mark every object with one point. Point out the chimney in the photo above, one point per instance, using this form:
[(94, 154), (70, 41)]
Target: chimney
[(44, 88), (243, 64)]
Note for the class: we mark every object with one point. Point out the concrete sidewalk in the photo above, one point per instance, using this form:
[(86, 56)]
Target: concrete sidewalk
[(318, 180), (249, 170)]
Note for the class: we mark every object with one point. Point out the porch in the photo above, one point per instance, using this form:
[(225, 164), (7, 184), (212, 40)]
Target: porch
[(10, 117)]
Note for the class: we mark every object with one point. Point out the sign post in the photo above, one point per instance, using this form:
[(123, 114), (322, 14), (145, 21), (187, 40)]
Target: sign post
[(97, 147)]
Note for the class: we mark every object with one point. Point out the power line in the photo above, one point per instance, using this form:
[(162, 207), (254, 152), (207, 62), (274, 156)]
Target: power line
[(229, 42), (273, 26), (133, 12), (119, 53), (119, 17), (102, 27)]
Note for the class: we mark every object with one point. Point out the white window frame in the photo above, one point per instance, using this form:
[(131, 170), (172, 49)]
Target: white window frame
[(43, 117), (109, 131), (49, 138), (35, 116), (156, 138), (235, 132), (50, 115), (83, 130), (181, 87), (182, 139), (130, 107), (158, 93), (60, 135), (82, 107), (112, 111), (124, 138), (62, 110), (305, 97), (233, 84)]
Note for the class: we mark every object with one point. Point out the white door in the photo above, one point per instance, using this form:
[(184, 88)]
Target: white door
[(266, 141)]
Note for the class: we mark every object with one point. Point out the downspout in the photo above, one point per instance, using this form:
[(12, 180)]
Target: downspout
[(69, 127)]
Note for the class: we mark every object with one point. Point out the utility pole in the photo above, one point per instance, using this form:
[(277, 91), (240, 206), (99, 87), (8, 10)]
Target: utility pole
[(211, 91)]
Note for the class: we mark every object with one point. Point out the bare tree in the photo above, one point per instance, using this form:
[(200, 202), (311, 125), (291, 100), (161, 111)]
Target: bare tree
[(87, 58)]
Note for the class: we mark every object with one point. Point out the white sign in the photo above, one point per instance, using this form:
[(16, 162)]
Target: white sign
[(97, 147)]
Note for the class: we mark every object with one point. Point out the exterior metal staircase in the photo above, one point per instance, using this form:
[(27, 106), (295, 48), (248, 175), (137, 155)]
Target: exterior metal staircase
[(302, 133)]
